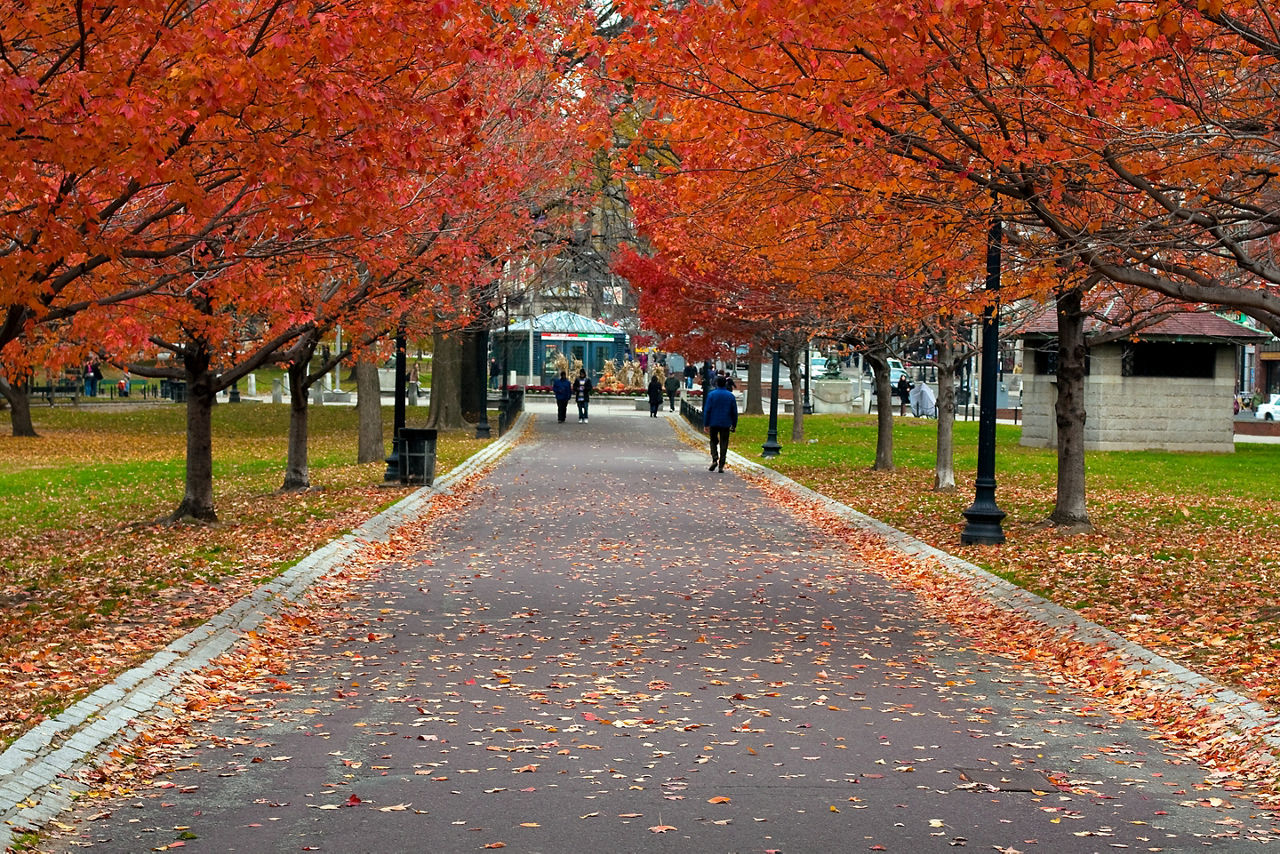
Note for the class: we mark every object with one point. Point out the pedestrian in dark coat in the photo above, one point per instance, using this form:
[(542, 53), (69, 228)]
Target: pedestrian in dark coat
[(655, 396), (582, 389), (904, 391), (720, 418), (563, 390), (673, 386)]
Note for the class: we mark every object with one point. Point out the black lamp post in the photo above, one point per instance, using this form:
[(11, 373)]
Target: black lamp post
[(506, 338), (808, 404), (482, 358), (393, 461), (984, 517), (771, 448)]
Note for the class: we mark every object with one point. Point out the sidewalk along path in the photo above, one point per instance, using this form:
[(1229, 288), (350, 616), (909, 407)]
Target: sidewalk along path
[(38, 770), (607, 647)]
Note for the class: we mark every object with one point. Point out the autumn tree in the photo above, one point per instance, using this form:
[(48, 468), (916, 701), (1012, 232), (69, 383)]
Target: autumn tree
[(1119, 139)]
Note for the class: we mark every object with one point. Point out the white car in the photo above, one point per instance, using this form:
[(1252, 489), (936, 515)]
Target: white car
[(1270, 410)]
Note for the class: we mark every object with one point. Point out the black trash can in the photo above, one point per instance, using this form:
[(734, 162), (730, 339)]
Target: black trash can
[(417, 455)]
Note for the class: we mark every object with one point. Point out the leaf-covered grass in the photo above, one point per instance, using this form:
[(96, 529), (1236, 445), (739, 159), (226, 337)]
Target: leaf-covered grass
[(1185, 558), (90, 583)]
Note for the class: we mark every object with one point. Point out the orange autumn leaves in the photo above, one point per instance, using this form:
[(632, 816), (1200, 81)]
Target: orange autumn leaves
[(1097, 669), (852, 147)]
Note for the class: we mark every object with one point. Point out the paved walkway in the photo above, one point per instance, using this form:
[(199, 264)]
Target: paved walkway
[(609, 648)]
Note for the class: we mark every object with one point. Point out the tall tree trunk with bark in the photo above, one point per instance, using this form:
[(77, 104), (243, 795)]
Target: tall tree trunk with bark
[(197, 502), (369, 413), (1070, 509), (297, 473), (879, 360), (446, 384), (944, 468), (19, 409), (755, 371), (797, 396)]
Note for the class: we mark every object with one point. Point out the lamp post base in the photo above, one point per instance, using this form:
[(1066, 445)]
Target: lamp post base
[(983, 525), (392, 474), (770, 449)]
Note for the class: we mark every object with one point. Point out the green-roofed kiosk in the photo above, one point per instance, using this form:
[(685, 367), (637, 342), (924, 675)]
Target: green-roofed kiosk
[(531, 345)]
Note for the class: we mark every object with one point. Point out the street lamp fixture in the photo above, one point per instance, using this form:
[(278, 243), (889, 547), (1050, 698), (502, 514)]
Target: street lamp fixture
[(397, 440), (771, 448), (482, 357), (983, 516)]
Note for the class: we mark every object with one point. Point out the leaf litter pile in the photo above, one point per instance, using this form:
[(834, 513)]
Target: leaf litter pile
[(657, 681), (1187, 574)]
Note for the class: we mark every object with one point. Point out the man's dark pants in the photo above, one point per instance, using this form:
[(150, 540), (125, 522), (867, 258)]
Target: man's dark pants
[(562, 408), (720, 436)]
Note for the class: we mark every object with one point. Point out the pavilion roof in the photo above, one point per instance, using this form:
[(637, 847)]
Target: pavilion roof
[(566, 321)]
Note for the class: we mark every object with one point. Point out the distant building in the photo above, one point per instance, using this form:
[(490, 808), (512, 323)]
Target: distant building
[(1170, 386), (530, 346)]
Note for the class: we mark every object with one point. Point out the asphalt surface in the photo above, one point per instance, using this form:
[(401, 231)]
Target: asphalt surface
[(609, 648)]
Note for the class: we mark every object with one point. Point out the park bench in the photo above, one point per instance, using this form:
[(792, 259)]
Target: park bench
[(60, 388)]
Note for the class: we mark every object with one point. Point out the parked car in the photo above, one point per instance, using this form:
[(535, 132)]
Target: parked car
[(896, 369), (1270, 410)]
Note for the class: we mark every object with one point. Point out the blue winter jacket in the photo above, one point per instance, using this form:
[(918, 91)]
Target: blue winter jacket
[(720, 409), (562, 389)]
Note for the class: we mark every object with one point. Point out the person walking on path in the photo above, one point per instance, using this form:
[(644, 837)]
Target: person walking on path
[(655, 396), (672, 385), (582, 389), (904, 391), (689, 373), (720, 417), (563, 390)]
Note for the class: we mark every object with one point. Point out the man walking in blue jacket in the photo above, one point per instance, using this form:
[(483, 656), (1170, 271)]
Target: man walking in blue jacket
[(720, 417), (563, 390)]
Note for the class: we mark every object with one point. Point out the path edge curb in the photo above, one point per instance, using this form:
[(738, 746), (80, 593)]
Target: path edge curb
[(1240, 712), (35, 770)]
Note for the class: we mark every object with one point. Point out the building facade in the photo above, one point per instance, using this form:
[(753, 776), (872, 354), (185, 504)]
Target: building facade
[(1172, 387)]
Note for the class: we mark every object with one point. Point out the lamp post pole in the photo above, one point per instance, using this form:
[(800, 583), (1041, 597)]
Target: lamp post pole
[(983, 516), (771, 448), (506, 337), (808, 404), (393, 461), (482, 360)]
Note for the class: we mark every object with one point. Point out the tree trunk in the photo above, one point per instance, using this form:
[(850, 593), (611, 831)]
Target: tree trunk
[(1070, 509), (446, 384), (884, 411), (297, 475), (755, 371), (944, 467), (20, 409), (197, 503), (797, 398), (369, 413)]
